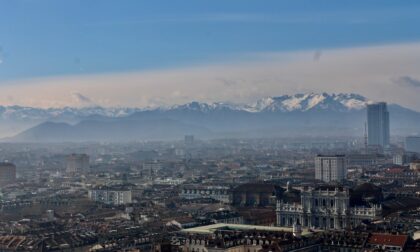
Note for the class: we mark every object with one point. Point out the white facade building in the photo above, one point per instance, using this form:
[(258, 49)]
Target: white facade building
[(330, 168), (109, 195), (325, 208)]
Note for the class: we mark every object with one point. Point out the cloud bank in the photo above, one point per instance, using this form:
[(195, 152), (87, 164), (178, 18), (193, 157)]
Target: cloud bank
[(388, 72)]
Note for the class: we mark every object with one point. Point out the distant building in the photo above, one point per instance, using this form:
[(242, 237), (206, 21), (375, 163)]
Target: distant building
[(404, 158), (220, 193), (330, 168), (7, 174), (412, 143), (398, 159), (77, 163), (179, 152), (116, 195), (378, 124), (151, 168), (365, 160), (255, 194), (189, 140)]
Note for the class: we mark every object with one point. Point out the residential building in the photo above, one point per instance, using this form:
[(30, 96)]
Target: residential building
[(330, 168), (116, 195)]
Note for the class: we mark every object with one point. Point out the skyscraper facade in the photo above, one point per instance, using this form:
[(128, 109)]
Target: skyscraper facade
[(378, 124), (330, 168)]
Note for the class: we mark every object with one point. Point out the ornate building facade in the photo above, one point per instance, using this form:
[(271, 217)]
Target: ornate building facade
[(216, 192), (326, 207)]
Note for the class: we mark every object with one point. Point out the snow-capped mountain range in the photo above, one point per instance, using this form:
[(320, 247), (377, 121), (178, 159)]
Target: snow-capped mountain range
[(285, 103), (315, 112), (312, 101)]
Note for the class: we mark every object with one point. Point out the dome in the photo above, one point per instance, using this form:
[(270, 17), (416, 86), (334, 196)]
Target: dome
[(365, 194)]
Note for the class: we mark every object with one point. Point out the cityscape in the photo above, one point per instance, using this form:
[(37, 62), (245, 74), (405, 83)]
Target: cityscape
[(111, 152)]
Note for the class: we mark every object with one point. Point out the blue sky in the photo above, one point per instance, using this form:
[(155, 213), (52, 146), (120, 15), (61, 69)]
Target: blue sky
[(72, 38), (43, 38)]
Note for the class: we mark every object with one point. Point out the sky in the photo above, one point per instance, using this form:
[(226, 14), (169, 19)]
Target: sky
[(152, 53)]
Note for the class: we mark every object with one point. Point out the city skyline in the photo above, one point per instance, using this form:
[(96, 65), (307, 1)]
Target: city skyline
[(209, 126)]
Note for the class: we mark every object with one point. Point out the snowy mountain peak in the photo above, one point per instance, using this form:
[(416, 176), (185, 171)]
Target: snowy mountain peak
[(204, 107), (309, 101)]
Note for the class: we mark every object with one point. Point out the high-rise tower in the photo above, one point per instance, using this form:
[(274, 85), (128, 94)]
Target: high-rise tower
[(378, 124)]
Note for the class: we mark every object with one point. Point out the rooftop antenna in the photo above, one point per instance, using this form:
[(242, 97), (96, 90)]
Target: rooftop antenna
[(365, 138)]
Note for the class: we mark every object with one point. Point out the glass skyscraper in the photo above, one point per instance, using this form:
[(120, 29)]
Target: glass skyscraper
[(378, 124)]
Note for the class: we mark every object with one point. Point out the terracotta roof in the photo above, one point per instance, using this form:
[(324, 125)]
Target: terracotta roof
[(395, 170), (388, 239)]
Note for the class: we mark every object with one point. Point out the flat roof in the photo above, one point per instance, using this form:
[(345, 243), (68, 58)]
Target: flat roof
[(209, 229)]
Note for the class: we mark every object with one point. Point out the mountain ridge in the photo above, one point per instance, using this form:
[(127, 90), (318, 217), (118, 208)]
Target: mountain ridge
[(314, 113), (285, 103)]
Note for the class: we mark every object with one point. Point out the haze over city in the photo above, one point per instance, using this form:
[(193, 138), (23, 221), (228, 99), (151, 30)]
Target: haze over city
[(209, 126)]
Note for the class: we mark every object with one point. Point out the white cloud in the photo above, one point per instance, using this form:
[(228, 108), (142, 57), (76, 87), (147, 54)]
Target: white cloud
[(369, 71)]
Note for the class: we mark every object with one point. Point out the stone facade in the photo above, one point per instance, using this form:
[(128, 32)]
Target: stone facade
[(325, 208), (220, 193)]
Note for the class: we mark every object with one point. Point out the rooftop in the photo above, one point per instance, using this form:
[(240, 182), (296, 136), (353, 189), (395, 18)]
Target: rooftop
[(388, 239), (209, 229)]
